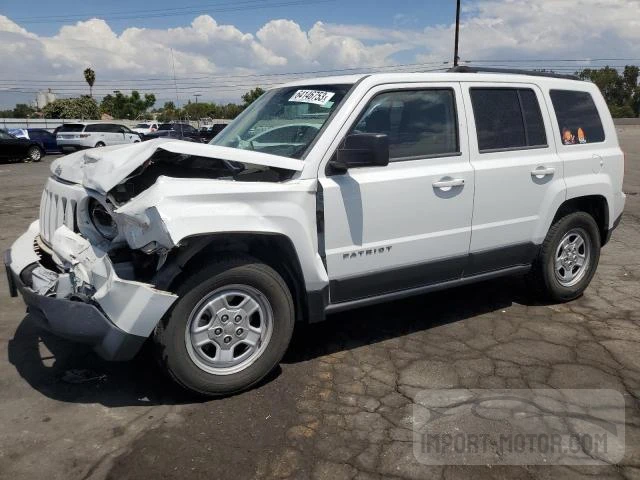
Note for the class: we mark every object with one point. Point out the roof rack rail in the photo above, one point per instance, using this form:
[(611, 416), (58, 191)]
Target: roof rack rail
[(468, 69)]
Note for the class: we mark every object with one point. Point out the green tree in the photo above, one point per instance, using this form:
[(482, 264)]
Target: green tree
[(127, 106), (83, 107), (169, 112), (22, 110), (90, 78), (251, 96), (195, 111), (620, 91)]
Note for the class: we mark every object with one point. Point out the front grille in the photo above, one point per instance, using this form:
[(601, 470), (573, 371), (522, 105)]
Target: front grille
[(58, 206)]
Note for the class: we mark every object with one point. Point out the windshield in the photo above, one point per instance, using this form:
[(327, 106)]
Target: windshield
[(165, 126), (283, 121), (142, 125)]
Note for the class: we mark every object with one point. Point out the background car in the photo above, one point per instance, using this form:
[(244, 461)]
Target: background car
[(90, 135), (145, 128), (45, 139), (41, 136), (182, 130), (12, 148), (210, 131), (175, 134)]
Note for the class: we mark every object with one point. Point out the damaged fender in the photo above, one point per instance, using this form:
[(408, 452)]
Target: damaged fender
[(174, 209)]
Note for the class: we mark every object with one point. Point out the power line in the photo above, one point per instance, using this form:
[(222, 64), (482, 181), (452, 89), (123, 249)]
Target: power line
[(234, 8), (227, 77), (94, 13)]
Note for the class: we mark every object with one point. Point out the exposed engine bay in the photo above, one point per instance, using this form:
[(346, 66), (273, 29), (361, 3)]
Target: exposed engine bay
[(179, 165)]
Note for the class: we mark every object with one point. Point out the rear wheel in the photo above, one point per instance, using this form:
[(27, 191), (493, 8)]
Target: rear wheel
[(99, 144), (34, 154), (229, 328), (568, 258)]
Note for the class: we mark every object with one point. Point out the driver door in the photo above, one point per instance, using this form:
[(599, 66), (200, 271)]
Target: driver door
[(406, 225)]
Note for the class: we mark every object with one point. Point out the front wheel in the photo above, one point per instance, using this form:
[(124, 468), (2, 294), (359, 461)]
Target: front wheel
[(230, 327), (568, 258), (99, 145)]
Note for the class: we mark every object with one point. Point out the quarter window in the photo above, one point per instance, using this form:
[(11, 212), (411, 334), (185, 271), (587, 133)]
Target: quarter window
[(577, 116), (419, 123), (507, 118)]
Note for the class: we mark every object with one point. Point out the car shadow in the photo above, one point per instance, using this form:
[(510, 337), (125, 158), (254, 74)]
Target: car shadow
[(71, 372), (369, 325)]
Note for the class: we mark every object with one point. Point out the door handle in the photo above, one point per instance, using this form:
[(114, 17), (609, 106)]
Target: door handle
[(543, 171), (449, 183)]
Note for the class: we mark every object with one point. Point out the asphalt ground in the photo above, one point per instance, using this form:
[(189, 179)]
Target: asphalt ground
[(340, 404)]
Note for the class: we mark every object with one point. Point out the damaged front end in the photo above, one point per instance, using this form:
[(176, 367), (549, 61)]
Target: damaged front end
[(75, 292), (86, 268)]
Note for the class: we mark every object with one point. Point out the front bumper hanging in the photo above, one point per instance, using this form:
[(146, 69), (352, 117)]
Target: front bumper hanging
[(88, 303)]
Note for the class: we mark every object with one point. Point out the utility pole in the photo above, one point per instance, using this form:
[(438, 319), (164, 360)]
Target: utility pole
[(455, 49), (197, 95)]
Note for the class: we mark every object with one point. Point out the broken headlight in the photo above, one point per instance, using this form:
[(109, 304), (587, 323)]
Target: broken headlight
[(102, 220)]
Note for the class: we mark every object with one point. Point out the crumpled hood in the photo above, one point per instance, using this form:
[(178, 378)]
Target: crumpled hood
[(103, 168)]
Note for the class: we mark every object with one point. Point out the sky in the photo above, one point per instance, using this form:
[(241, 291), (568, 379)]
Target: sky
[(221, 48)]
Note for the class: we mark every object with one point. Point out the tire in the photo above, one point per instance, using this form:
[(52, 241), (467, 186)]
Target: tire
[(194, 367), (555, 275), (99, 144), (34, 154)]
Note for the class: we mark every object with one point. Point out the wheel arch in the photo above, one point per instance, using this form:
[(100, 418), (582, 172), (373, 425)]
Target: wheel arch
[(595, 205), (273, 249)]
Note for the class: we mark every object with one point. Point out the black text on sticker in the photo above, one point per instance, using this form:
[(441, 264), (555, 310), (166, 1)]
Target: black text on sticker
[(312, 96)]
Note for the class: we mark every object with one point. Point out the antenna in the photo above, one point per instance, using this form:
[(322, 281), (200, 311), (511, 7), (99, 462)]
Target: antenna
[(455, 48)]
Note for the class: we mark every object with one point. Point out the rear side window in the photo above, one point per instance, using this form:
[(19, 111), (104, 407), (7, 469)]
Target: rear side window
[(71, 127), (419, 123), (507, 119), (577, 116), (96, 127)]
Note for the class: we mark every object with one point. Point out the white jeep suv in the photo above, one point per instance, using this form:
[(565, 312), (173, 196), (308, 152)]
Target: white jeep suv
[(399, 184)]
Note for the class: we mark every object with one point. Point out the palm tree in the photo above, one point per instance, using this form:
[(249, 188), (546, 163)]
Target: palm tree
[(90, 77)]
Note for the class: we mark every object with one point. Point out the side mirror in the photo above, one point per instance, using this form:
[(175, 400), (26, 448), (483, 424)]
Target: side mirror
[(362, 150)]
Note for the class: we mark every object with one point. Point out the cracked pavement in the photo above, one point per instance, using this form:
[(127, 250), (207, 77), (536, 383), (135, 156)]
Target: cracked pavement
[(340, 405)]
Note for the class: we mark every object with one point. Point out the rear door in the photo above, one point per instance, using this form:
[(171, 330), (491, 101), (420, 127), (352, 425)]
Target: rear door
[(408, 224), (518, 174)]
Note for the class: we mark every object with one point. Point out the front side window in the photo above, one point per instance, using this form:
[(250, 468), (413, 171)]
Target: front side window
[(5, 136), (507, 118), (283, 121), (577, 116), (418, 123)]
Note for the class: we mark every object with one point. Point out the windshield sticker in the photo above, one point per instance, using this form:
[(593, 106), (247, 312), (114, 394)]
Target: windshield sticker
[(316, 97)]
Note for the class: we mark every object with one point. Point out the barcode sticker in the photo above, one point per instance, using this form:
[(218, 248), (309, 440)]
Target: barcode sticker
[(317, 97)]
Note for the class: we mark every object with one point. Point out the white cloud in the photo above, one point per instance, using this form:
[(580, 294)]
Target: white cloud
[(496, 29)]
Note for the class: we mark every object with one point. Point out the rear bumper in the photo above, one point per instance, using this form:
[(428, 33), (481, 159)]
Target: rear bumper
[(56, 306)]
